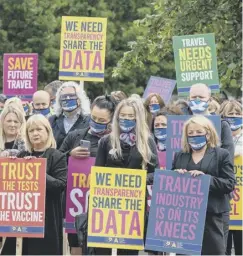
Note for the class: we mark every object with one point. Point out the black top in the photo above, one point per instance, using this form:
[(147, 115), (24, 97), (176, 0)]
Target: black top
[(59, 130), (73, 140), (192, 166), (216, 163), (94, 140), (9, 145), (56, 178), (131, 159), (38, 153)]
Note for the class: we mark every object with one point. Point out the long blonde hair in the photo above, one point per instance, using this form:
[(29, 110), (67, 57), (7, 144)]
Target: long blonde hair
[(38, 120), (213, 140), (20, 116), (141, 130)]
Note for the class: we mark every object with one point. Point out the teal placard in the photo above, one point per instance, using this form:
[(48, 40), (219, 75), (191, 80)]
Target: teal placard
[(195, 62)]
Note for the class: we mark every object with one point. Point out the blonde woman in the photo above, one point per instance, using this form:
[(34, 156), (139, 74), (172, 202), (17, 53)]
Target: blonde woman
[(40, 143), (16, 102), (201, 155), (129, 145), (12, 131)]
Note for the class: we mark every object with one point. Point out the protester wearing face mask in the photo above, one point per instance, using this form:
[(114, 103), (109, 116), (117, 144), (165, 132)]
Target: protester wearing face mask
[(102, 111), (201, 155), (12, 131), (40, 143), (41, 103), (199, 101), (153, 104), (129, 145), (232, 112), (159, 126), (200, 95), (72, 110)]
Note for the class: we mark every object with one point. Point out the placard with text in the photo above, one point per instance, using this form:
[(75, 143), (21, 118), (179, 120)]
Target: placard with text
[(116, 208), (20, 74), (82, 50), (195, 62), (177, 213), (22, 197)]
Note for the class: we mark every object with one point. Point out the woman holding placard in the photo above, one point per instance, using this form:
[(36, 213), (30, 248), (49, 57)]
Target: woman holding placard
[(40, 143), (232, 112), (12, 131), (129, 145), (201, 155), (102, 111)]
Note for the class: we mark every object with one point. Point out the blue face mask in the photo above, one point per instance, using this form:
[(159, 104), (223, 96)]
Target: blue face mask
[(154, 108), (26, 108), (127, 125), (97, 128), (160, 134), (69, 105), (198, 106), (235, 122), (53, 102), (44, 111), (197, 142)]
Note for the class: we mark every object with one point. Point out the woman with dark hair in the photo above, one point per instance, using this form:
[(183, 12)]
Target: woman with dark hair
[(102, 111)]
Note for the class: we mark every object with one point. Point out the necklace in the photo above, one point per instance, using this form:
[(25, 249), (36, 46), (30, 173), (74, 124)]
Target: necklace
[(39, 155)]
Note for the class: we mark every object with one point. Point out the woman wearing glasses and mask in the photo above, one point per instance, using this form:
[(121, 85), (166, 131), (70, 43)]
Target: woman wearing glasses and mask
[(201, 155)]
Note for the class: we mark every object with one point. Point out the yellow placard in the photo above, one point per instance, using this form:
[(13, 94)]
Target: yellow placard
[(236, 202), (82, 49), (116, 208)]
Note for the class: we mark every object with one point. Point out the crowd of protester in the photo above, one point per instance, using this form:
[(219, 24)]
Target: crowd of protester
[(124, 132)]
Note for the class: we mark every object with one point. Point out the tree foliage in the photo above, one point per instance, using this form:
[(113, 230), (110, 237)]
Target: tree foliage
[(139, 34), (34, 26), (185, 17)]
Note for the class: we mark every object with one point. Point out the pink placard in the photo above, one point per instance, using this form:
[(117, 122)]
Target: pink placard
[(20, 73), (78, 185)]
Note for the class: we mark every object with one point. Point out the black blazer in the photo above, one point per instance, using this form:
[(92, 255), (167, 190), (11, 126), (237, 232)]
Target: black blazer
[(217, 163), (73, 140), (104, 158), (59, 130)]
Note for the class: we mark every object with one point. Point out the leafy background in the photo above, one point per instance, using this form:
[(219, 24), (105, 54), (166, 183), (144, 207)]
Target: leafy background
[(139, 37)]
